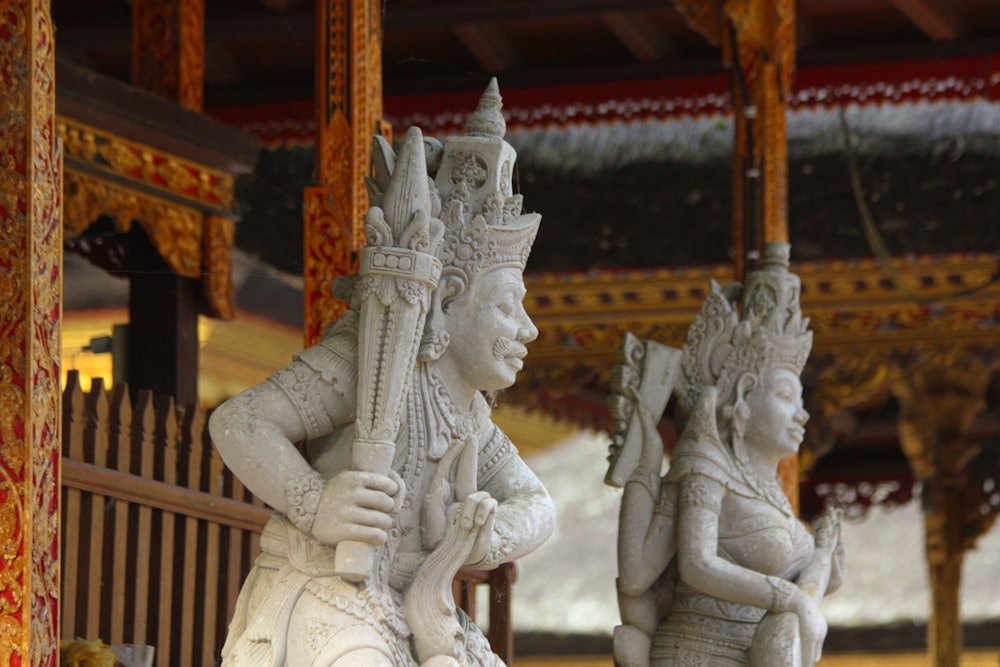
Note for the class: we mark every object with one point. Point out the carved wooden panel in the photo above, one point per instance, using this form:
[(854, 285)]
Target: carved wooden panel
[(349, 106), (30, 309), (168, 49)]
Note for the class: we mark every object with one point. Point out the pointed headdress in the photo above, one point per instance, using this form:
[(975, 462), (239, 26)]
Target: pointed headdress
[(770, 332)]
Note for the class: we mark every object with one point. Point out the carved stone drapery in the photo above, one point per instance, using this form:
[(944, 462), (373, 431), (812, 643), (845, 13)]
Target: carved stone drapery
[(30, 312), (168, 49), (348, 111)]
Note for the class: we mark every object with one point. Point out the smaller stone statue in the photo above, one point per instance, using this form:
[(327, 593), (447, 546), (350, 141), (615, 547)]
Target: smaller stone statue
[(715, 570), (402, 477)]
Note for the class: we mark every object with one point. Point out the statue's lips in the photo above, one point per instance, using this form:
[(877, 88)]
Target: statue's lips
[(515, 361)]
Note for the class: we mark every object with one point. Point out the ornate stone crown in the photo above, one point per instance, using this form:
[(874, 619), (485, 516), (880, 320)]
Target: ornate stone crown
[(770, 333), (484, 226)]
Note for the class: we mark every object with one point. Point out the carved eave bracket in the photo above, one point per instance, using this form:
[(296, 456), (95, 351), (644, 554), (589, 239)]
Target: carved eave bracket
[(132, 157)]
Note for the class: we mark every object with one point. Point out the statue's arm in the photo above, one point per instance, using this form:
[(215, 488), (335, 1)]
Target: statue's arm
[(701, 567), (255, 432), (698, 560), (525, 514), (646, 538)]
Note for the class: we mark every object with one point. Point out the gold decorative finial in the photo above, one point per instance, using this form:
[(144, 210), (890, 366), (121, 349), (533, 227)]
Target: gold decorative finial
[(487, 119)]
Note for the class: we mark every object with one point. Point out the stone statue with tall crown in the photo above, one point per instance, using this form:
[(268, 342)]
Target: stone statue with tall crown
[(376, 446), (715, 570)]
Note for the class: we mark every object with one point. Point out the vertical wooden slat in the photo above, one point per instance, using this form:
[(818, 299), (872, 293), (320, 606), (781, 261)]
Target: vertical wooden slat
[(191, 428), (120, 425), (234, 567), (143, 421), (97, 428), (73, 423), (212, 483), (166, 438)]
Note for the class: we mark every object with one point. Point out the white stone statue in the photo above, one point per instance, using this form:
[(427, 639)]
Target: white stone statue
[(715, 570), (404, 477)]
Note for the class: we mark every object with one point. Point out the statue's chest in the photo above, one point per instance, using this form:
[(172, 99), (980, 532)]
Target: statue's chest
[(754, 534)]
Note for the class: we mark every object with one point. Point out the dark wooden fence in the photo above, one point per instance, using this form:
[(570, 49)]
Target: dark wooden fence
[(158, 535)]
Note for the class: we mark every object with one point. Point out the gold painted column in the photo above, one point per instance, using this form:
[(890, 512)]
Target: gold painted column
[(168, 49), (758, 46), (30, 313), (939, 400), (348, 113)]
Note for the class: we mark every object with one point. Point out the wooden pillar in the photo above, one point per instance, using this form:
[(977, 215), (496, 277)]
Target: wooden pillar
[(758, 47), (938, 402), (168, 49), (30, 314), (168, 59), (163, 324), (348, 113)]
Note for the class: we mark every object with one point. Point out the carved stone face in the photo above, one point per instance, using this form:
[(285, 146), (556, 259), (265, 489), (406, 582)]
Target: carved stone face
[(777, 419), (489, 328)]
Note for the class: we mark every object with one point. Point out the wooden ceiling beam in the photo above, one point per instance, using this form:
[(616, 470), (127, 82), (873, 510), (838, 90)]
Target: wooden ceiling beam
[(634, 29), (934, 18), (488, 46)]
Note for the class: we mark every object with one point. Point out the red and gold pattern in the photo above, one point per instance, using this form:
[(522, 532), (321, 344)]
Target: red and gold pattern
[(168, 49), (106, 153), (349, 107), (175, 230), (30, 311), (184, 207)]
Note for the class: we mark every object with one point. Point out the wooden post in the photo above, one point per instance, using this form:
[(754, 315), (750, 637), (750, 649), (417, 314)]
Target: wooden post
[(939, 400), (758, 46), (168, 49), (348, 112), (30, 316), (168, 59), (163, 324)]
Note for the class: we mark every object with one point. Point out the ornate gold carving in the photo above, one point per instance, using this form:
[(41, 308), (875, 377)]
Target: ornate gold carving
[(857, 315), (168, 49), (110, 154), (328, 253), (218, 250), (30, 298), (175, 230), (349, 105)]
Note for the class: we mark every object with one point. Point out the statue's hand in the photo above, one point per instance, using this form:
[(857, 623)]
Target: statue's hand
[(357, 506), (812, 628), (476, 515), (827, 529)]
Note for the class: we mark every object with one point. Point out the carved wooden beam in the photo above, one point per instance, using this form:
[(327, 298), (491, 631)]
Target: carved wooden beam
[(639, 35), (856, 312), (488, 46), (935, 18), (348, 113), (168, 49), (30, 330)]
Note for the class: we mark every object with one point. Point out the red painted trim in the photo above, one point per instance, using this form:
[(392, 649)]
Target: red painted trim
[(959, 78)]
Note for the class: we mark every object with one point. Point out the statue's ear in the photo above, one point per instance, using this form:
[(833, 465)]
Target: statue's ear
[(435, 339), (745, 385), (449, 288)]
